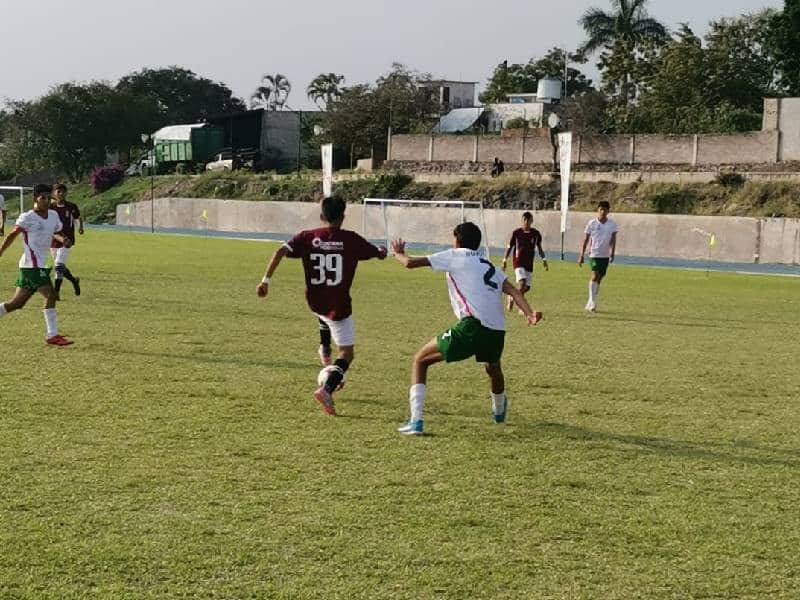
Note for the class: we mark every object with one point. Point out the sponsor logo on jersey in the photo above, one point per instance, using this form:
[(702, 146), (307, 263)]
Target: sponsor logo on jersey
[(327, 246)]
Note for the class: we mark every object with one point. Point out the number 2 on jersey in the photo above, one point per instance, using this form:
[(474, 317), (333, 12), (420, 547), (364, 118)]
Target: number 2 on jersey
[(487, 278), (328, 269)]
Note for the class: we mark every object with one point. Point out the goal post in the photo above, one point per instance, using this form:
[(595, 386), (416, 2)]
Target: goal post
[(14, 191), (413, 221)]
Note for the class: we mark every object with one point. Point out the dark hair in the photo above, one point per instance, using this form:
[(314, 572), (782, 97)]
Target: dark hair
[(42, 189), (332, 209), (527, 215), (59, 186), (604, 204), (468, 235)]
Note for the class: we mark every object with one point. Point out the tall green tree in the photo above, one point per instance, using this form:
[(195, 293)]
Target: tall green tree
[(785, 41), (324, 88), (619, 35), (180, 95), (523, 78), (273, 93)]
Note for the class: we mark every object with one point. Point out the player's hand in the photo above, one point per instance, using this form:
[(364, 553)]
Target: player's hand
[(262, 290), (80, 230), (546, 266), (399, 246), (67, 242), (580, 260), (382, 252), (611, 258), (534, 318)]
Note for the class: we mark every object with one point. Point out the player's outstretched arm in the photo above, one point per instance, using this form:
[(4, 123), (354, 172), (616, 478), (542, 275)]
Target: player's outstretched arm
[(532, 317), (542, 254), (263, 288), (62, 239), (613, 246), (583, 250), (8, 241), (409, 262), (511, 245)]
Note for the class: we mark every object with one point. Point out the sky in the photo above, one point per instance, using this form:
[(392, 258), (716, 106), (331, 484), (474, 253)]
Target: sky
[(47, 42)]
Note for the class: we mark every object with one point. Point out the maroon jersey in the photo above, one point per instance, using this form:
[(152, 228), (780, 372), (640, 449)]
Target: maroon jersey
[(330, 257), (67, 213), (524, 244)]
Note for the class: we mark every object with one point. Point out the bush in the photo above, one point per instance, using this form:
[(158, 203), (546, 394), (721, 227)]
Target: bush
[(516, 123), (729, 179), (104, 178)]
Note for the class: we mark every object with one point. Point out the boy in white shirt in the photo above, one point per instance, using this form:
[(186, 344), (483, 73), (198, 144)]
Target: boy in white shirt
[(38, 228), (602, 232), (476, 289)]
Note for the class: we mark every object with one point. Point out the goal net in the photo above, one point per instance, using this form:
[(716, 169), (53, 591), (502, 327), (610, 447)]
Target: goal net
[(15, 198), (423, 222)]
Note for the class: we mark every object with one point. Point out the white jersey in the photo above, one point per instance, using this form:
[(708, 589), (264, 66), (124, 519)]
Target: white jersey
[(475, 286), (600, 235), (37, 235)]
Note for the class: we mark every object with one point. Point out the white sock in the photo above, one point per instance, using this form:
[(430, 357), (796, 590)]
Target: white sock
[(416, 399), (498, 402), (594, 288), (3, 311), (50, 319)]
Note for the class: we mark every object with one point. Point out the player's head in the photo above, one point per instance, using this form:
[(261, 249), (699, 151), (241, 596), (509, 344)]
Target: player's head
[(60, 191), (527, 219), (332, 210), (41, 195), (467, 235), (603, 208)]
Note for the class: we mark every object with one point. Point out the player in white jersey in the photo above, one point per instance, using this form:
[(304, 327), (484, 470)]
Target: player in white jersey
[(38, 228), (602, 233), (476, 291)]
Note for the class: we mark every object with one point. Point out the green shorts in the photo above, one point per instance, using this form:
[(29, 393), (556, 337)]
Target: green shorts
[(599, 265), (33, 279), (467, 338)]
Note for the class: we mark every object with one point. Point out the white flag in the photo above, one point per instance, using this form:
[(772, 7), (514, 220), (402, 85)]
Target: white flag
[(327, 170), (565, 157)]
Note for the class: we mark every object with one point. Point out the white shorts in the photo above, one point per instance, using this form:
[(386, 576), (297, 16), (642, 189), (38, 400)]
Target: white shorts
[(524, 275), (60, 255), (343, 332)]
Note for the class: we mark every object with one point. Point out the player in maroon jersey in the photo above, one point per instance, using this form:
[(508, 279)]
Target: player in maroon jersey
[(68, 213), (330, 257), (524, 242)]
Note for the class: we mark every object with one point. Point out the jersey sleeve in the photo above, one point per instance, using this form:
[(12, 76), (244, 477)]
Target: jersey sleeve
[(364, 249), (615, 227), (76, 212), (24, 222), (442, 261), (298, 246), (588, 230)]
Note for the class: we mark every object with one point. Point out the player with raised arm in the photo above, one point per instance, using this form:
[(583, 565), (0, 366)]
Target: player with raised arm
[(68, 213), (601, 231), (476, 288), (37, 227), (524, 242), (330, 257)]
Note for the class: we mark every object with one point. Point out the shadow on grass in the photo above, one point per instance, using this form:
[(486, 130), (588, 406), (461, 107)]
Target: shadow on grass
[(217, 360), (678, 448), (708, 323)]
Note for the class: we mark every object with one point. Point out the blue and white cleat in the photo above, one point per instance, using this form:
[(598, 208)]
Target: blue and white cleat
[(499, 412), (411, 428)]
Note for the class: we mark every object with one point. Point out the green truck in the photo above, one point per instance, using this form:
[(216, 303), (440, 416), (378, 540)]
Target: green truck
[(191, 144)]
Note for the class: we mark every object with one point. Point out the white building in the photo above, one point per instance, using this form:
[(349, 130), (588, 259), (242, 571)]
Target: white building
[(452, 94)]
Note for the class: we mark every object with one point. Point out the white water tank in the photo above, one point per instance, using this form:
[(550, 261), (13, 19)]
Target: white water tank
[(548, 90)]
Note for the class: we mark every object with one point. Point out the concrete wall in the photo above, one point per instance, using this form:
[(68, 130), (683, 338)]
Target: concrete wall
[(743, 148), (739, 239), (489, 147), (789, 125)]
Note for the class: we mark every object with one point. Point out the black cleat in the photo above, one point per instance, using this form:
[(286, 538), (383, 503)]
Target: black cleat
[(77, 285)]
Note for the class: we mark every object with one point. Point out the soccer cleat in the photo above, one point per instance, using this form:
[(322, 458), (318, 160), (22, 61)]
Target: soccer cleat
[(77, 285), (411, 428), (59, 340), (324, 356), (591, 307), (500, 416), (326, 400)]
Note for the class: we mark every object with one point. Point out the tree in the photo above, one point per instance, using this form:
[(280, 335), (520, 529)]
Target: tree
[(180, 95), (273, 92), (521, 79), (325, 88), (785, 42), (620, 35)]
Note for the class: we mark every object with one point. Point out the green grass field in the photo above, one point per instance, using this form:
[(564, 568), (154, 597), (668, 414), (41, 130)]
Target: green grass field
[(652, 450)]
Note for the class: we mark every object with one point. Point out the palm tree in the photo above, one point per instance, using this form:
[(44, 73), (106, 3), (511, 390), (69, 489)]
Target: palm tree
[(625, 29), (273, 92), (325, 88)]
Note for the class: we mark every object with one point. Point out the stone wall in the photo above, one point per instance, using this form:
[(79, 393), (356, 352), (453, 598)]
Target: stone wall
[(758, 146), (739, 239)]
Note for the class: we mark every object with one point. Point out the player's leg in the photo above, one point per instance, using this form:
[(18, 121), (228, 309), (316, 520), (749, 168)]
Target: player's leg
[(50, 319), (598, 266), (324, 343), (62, 255), (59, 270), (20, 299), (489, 345), (428, 355), (343, 335), (498, 387)]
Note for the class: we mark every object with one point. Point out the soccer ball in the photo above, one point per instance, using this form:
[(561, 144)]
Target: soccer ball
[(323, 376)]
